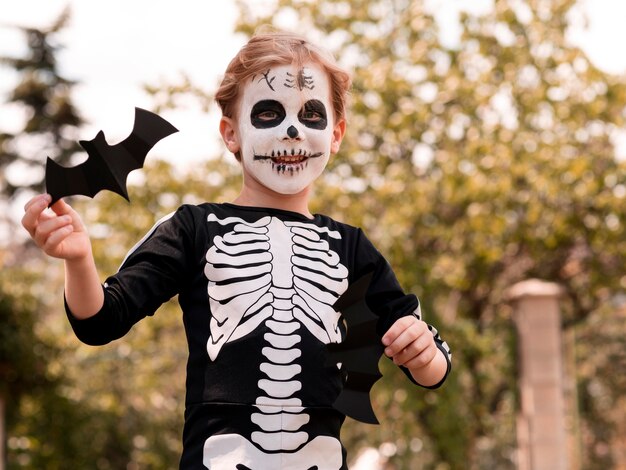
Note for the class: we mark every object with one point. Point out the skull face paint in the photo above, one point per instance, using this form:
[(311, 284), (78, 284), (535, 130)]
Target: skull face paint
[(285, 127)]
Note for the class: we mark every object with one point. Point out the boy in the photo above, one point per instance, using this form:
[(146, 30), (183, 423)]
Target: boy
[(257, 277)]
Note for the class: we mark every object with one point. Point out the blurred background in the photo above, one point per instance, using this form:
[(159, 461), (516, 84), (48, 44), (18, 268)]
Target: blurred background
[(486, 147)]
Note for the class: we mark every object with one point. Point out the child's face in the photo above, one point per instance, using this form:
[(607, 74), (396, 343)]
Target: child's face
[(286, 128)]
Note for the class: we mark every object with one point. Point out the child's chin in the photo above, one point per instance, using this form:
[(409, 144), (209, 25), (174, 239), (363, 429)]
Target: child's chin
[(286, 182), (285, 187), (287, 190)]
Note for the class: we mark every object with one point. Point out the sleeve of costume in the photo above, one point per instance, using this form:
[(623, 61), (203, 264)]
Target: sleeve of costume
[(388, 301), (152, 273)]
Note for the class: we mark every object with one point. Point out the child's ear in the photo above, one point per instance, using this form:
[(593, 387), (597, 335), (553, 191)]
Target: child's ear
[(229, 134), (338, 133)]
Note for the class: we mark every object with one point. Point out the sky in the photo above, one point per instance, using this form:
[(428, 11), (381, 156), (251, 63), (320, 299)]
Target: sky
[(112, 48)]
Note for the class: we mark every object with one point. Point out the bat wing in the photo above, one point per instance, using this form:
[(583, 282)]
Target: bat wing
[(108, 166), (358, 354)]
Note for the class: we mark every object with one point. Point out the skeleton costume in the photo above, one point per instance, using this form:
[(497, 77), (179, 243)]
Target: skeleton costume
[(256, 287)]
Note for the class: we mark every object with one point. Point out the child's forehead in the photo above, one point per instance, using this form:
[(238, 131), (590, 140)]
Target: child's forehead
[(291, 79)]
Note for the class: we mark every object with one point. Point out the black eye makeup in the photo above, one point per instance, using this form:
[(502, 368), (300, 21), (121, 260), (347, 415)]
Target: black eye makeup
[(266, 114), (313, 115)]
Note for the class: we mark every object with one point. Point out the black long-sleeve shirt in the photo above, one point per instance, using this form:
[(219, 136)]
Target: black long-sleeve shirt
[(256, 287)]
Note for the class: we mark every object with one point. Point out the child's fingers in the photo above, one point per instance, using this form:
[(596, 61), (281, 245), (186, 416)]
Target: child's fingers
[(417, 353), (396, 329), (402, 333), (46, 227), (61, 207), (39, 199), (425, 357), (57, 236), (32, 212)]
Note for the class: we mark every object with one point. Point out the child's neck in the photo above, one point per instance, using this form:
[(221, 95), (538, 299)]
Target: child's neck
[(263, 197)]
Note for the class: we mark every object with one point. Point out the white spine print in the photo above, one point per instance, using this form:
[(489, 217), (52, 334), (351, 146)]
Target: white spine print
[(292, 278)]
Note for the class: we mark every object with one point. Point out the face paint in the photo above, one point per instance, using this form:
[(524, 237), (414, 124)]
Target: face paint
[(285, 127)]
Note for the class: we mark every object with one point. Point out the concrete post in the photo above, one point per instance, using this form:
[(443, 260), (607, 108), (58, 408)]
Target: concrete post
[(541, 433)]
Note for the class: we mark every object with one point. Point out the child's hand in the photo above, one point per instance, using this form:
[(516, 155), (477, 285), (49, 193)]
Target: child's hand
[(409, 343), (60, 233)]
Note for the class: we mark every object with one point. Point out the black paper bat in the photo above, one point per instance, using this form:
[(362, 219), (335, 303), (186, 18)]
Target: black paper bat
[(358, 354), (108, 166)]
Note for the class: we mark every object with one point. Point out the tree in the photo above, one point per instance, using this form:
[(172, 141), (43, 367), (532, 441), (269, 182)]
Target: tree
[(22, 358), (45, 96)]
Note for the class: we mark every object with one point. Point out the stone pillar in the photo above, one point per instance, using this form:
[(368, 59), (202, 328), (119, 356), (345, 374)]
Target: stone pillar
[(541, 433)]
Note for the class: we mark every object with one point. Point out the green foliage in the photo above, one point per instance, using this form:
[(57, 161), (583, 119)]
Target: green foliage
[(46, 428), (22, 356)]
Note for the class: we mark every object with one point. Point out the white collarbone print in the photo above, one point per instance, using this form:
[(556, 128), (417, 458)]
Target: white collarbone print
[(284, 276)]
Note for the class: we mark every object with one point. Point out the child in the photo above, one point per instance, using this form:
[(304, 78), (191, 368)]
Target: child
[(256, 277)]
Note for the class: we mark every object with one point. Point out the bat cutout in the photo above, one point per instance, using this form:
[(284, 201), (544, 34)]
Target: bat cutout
[(108, 166), (358, 354)]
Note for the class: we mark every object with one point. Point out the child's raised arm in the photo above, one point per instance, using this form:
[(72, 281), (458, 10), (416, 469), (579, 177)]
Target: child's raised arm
[(60, 233)]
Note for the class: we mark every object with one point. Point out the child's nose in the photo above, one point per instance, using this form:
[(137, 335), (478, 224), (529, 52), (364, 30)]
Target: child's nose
[(293, 133)]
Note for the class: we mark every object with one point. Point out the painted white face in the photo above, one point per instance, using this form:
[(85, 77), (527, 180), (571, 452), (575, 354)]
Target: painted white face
[(286, 126)]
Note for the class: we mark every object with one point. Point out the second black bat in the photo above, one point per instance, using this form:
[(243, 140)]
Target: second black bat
[(358, 354), (108, 166)]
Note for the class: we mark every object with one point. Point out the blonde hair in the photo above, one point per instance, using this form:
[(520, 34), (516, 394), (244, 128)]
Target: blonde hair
[(266, 49)]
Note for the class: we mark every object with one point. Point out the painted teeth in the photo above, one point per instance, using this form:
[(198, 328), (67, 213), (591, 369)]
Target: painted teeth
[(289, 159), (290, 168), (288, 162)]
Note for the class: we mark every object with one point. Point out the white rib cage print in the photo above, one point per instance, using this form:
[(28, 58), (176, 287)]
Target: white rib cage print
[(285, 276)]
